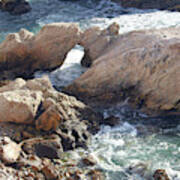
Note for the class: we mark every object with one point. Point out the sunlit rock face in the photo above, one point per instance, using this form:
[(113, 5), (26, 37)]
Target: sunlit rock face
[(173, 5), (22, 53), (142, 66)]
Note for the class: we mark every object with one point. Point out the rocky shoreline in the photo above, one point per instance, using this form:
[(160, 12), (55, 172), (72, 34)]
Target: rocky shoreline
[(39, 125)]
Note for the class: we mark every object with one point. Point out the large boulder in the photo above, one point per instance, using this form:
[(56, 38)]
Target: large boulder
[(19, 106), (142, 66), (22, 53), (15, 7), (153, 4)]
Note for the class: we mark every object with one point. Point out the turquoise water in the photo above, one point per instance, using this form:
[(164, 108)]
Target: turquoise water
[(143, 146)]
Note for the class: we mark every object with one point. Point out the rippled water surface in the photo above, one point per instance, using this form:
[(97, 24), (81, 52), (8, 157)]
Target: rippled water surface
[(131, 143)]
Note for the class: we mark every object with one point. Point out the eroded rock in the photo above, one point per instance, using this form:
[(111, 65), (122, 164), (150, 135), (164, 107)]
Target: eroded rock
[(23, 53), (19, 106), (142, 66), (9, 150), (95, 41)]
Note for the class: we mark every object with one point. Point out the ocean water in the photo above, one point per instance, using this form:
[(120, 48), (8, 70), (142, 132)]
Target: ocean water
[(132, 150)]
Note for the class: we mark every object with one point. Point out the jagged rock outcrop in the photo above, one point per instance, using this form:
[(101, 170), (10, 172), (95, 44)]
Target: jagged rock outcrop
[(23, 53), (173, 5), (142, 66), (15, 7), (37, 103)]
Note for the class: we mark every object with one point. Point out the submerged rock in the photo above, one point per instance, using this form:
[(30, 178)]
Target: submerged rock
[(15, 7), (142, 66), (22, 53)]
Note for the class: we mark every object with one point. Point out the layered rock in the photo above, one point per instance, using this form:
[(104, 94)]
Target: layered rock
[(15, 7), (23, 53), (142, 66), (173, 5)]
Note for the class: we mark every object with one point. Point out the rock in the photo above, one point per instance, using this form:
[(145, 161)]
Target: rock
[(52, 44), (95, 41), (89, 160), (23, 53), (19, 106), (140, 168), (13, 85), (36, 102), (50, 172), (9, 150), (49, 120), (15, 7), (153, 4), (160, 174), (112, 121), (142, 66), (43, 147)]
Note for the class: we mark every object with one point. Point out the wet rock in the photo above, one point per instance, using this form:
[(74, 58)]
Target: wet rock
[(140, 168), (142, 66), (89, 160), (19, 106), (9, 150), (95, 41), (23, 53), (111, 121), (160, 174), (15, 7), (153, 4)]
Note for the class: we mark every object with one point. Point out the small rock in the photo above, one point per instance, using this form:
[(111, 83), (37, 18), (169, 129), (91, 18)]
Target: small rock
[(89, 160), (160, 174), (9, 150), (49, 120), (50, 172)]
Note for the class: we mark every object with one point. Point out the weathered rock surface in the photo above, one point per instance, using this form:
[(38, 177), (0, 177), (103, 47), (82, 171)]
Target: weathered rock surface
[(19, 106), (141, 65), (15, 7), (95, 41), (9, 150), (153, 4), (37, 103), (23, 53)]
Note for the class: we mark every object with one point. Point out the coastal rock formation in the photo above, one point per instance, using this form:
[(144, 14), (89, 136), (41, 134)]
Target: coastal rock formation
[(95, 41), (15, 7), (173, 5), (142, 66), (23, 53), (36, 102)]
